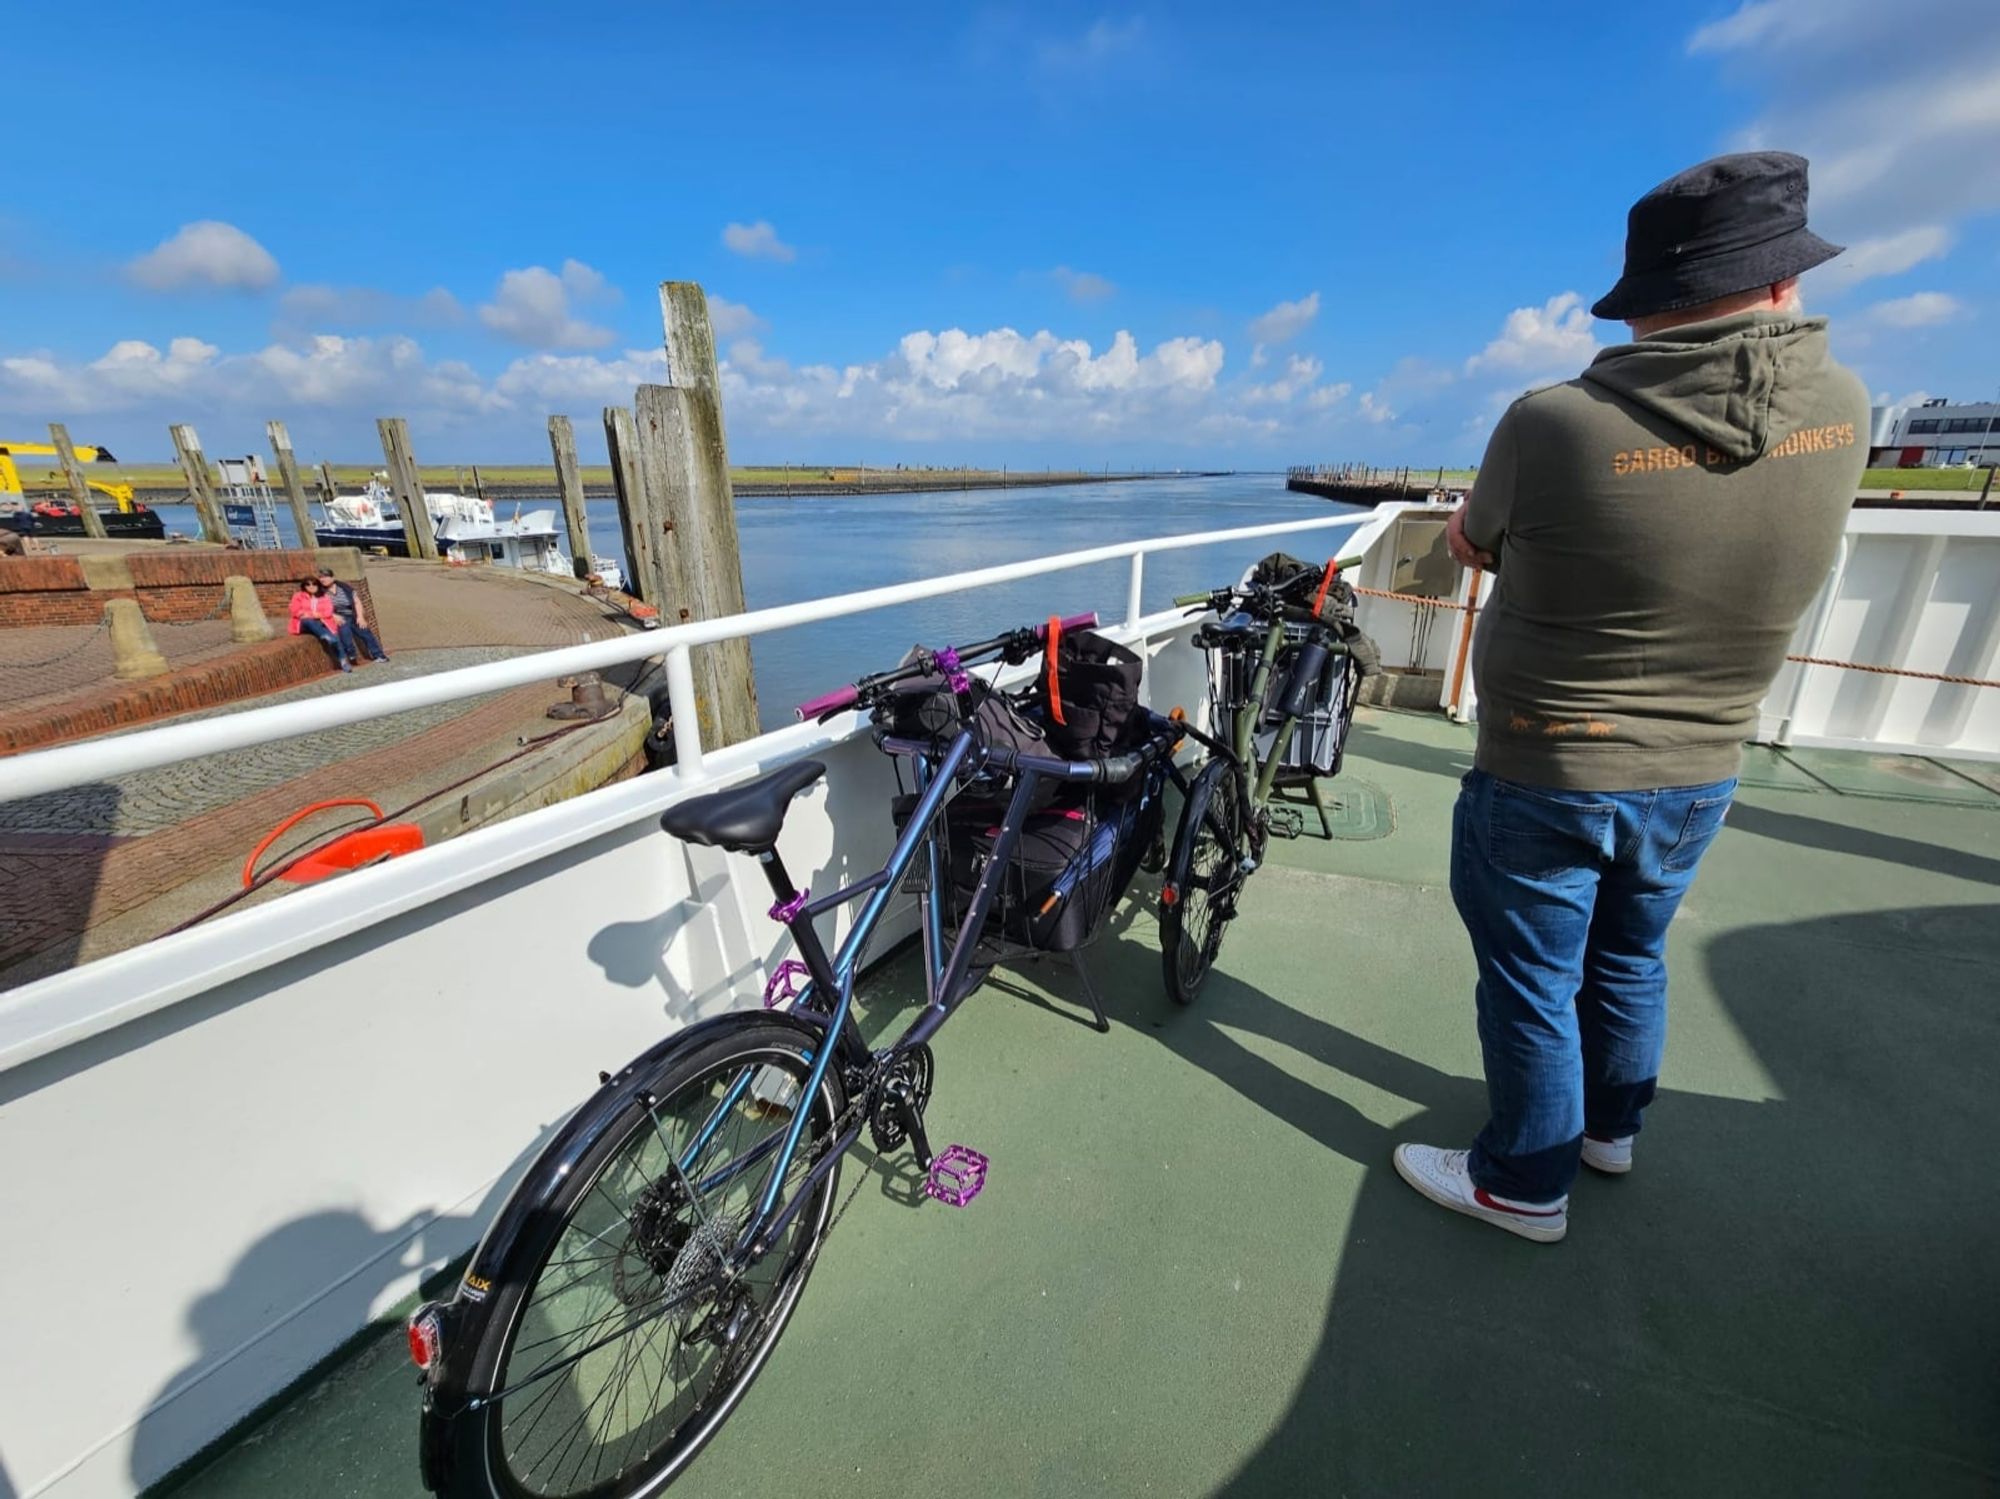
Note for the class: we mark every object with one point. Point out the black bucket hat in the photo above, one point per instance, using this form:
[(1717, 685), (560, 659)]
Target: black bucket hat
[(1729, 225)]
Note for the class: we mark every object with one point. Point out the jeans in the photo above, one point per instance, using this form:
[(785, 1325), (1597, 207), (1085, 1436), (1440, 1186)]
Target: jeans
[(335, 638), (1567, 896), (367, 638)]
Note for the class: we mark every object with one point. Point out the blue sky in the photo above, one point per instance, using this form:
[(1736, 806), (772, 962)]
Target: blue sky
[(1240, 235)]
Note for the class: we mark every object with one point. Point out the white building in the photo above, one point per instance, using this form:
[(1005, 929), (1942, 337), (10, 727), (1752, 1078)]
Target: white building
[(1936, 434)]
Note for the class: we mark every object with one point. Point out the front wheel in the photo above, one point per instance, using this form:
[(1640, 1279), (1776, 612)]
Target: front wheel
[(622, 1331), (1205, 874)]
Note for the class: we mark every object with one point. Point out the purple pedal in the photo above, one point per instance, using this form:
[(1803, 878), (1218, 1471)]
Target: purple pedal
[(957, 1175)]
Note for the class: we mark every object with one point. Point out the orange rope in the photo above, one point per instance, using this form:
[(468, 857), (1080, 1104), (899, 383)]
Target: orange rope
[(1885, 671), (1896, 671)]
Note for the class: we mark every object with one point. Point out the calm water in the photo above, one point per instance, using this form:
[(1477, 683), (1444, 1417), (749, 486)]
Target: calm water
[(795, 549)]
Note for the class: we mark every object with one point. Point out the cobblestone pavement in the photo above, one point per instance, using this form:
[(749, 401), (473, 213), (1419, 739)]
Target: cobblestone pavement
[(76, 859), (136, 805), (58, 885), (48, 664)]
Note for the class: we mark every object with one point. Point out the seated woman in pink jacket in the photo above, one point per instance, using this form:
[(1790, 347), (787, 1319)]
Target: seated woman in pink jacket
[(312, 614)]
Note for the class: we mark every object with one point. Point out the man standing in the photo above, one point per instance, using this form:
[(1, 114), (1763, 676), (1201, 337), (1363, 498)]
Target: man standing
[(1658, 526), (353, 617)]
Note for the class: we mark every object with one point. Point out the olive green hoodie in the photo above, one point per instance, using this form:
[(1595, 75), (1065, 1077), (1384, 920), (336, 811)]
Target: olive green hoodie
[(1661, 522)]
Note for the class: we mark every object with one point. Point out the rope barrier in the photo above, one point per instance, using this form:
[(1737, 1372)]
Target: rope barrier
[(1885, 671)]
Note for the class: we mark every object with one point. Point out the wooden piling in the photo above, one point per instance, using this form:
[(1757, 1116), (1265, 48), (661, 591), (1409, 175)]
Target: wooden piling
[(201, 489), (648, 547), (295, 490), (79, 486), (684, 470), (328, 490), (569, 484), (407, 487)]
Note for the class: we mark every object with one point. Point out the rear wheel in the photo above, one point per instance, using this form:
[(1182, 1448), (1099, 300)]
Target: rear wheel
[(623, 1338), (1205, 874)]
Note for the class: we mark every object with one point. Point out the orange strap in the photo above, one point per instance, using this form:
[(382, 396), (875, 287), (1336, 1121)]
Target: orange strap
[(1051, 648), (1325, 582)]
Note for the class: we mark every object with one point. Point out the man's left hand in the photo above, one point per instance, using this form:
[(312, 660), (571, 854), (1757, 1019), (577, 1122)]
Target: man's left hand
[(1462, 550)]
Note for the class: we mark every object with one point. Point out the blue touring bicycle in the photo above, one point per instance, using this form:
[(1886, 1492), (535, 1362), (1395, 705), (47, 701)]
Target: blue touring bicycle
[(641, 1273)]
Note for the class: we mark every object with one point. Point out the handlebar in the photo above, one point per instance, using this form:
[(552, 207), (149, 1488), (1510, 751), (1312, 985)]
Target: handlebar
[(841, 698), (1261, 598)]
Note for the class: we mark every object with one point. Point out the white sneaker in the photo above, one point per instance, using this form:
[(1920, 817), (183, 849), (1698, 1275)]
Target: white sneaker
[(1441, 1176), (1612, 1157)]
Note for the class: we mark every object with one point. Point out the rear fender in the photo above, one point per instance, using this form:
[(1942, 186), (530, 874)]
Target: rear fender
[(528, 1211)]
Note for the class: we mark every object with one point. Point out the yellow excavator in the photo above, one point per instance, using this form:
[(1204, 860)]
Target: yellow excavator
[(126, 518)]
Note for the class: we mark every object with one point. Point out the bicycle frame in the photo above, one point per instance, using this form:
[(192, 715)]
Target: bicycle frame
[(945, 973)]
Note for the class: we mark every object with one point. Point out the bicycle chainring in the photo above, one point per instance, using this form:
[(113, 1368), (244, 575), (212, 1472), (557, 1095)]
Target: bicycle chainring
[(909, 1076)]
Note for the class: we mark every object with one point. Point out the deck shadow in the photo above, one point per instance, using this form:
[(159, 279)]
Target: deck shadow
[(1864, 843), (1787, 1295)]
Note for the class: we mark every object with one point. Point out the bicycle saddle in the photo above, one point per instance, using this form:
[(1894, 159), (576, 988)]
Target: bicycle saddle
[(744, 819)]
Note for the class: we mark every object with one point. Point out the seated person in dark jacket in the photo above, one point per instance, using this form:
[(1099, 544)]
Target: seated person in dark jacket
[(352, 613)]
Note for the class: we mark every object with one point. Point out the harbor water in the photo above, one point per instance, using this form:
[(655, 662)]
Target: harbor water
[(808, 547)]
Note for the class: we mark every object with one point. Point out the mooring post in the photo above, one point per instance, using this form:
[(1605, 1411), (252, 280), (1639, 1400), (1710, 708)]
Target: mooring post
[(295, 489), (328, 490), (194, 468), (407, 487), (569, 484), (684, 470), (647, 546), (79, 486)]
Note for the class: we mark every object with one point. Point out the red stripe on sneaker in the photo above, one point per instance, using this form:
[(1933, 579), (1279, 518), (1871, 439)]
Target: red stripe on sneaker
[(1487, 1200)]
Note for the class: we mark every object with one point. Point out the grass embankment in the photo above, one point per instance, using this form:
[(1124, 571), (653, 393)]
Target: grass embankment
[(1924, 478)]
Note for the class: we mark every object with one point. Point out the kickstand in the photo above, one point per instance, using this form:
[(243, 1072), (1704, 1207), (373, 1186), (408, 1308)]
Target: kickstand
[(1089, 990), (1319, 806)]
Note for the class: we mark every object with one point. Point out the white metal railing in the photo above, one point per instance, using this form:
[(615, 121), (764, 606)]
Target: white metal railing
[(64, 1008), (94, 760)]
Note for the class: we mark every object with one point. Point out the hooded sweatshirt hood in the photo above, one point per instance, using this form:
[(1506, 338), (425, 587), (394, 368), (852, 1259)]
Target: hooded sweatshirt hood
[(1735, 383)]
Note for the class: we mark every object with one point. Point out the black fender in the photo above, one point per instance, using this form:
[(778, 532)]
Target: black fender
[(527, 1213)]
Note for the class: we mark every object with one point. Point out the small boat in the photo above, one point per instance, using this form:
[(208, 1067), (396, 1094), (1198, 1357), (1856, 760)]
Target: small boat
[(466, 527)]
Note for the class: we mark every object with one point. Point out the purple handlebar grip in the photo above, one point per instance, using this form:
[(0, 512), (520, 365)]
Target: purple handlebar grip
[(829, 702), (1076, 622)]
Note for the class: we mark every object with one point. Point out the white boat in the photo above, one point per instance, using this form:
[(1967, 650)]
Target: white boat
[(466, 528)]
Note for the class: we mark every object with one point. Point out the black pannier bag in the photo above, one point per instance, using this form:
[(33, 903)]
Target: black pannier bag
[(1071, 865), (926, 708), (1088, 695)]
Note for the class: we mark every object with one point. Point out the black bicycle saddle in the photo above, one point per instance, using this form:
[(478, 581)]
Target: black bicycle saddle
[(744, 819)]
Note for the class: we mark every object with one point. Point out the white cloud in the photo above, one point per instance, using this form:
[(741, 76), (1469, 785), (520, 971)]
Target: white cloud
[(1897, 134), (1374, 410), (1083, 286), (730, 319), (1883, 255), (1286, 321), (1918, 310), (1556, 335), (1302, 372), (758, 241), (1105, 39), (532, 306), (206, 256), (361, 376)]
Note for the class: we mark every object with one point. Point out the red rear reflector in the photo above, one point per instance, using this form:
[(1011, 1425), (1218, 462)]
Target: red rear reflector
[(1169, 895), (425, 1338)]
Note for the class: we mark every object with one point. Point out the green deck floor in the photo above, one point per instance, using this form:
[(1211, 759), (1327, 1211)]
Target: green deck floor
[(1195, 1273)]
